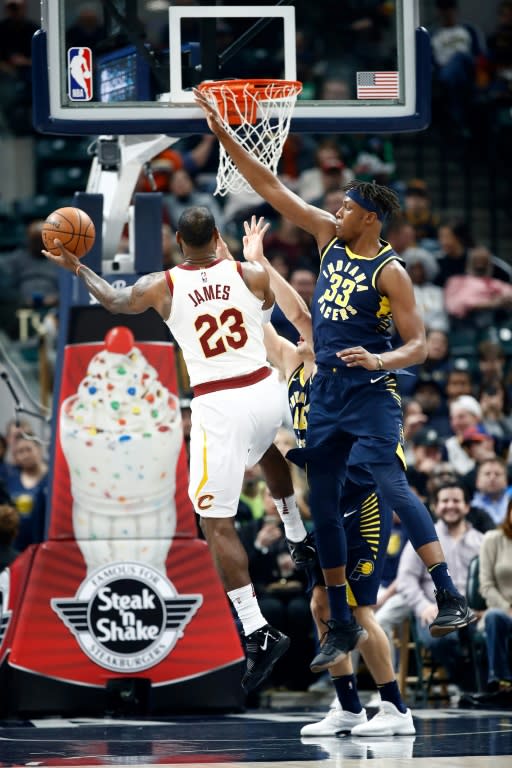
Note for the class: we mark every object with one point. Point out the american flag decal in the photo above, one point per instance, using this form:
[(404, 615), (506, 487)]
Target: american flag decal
[(377, 85)]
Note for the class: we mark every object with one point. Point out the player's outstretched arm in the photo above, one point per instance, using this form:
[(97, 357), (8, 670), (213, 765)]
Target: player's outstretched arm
[(314, 220), (293, 306), (149, 291)]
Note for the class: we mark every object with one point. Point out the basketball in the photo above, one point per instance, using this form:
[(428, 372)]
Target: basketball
[(73, 227)]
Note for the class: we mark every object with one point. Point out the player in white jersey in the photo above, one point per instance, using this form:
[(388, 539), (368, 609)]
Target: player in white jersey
[(216, 310)]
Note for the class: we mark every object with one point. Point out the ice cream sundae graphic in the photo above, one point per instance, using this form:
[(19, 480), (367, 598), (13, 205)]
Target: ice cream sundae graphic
[(121, 436)]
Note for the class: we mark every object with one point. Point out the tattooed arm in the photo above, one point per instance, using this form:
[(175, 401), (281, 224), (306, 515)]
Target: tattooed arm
[(149, 291)]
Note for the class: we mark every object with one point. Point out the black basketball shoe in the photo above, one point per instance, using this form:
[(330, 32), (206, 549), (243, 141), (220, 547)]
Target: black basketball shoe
[(454, 613), (263, 648), (341, 637), (303, 552)]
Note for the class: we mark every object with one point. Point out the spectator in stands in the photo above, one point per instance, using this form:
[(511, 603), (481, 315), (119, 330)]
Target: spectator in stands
[(296, 245), (479, 445), (496, 417), (491, 362), (428, 452), (400, 235), (461, 542), (37, 282), (465, 412), (459, 382), (87, 29), (329, 163), (13, 429), (435, 368), (438, 363), (441, 474), (499, 54), (334, 88), (456, 48), (16, 32), (156, 176), (360, 33), (375, 160), (492, 493), (27, 484), (251, 504), (183, 193), (414, 421), (171, 254), (496, 589), (454, 240), (491, 265), (9, 529), (430, 395), (333, 200), (280, 264), (422, 268), (476, 296), (419, 214)]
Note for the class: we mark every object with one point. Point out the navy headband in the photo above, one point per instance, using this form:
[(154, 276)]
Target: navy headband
[(354, 195)]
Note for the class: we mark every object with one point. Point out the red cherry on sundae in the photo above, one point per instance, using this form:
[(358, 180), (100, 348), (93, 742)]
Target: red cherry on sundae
[(119, 340)]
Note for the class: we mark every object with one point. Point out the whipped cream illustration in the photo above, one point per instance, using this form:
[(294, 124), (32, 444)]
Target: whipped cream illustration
[(121, 435)]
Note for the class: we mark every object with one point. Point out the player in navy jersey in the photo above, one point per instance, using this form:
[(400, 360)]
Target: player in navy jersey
[(367, 521), (355, 411)]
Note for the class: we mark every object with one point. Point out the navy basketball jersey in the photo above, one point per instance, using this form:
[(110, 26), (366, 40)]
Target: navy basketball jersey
[(298, 400), (347, 308)]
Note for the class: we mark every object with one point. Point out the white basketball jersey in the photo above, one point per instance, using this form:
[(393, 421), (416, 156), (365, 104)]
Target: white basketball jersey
[(217, 321)]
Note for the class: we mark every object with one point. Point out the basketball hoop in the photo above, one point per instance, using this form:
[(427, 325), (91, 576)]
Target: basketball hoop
[(257, 114)]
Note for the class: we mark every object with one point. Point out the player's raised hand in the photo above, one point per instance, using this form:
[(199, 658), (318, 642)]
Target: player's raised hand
[(222, 251), (64, 259), (212, 117), (253, 239)]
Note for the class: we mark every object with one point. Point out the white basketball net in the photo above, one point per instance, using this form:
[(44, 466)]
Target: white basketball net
[(272, 103)]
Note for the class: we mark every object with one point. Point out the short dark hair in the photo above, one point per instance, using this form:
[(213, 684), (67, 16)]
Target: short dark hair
[(451, 484), (196, 226)]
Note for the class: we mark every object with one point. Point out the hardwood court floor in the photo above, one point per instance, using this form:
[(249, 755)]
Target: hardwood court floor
[(263, 738)]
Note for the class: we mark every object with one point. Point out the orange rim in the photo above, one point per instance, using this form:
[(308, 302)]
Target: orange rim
[(232, 101)]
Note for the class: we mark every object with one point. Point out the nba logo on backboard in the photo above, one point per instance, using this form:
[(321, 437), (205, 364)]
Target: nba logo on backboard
[(80, 74)]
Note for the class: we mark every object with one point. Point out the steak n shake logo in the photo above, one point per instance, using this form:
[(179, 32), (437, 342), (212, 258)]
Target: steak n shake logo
[(127, 616)]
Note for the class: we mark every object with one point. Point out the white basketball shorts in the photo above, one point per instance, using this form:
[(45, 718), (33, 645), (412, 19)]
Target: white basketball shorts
[(231, 430)]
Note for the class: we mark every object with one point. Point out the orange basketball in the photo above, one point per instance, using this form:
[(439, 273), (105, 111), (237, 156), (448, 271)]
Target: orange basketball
[(73, 227)]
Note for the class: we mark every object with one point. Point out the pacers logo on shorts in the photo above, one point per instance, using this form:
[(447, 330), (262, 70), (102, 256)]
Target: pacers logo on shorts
[(79, 74), (363, 568)]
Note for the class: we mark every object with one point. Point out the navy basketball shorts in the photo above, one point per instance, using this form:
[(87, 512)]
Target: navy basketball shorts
[(367, 521), (359, 415)]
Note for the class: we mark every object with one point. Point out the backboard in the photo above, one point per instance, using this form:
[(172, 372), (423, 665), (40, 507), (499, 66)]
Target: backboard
[(364, 64)]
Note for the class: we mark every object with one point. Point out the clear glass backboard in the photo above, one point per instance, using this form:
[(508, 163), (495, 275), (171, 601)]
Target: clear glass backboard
[(364, 64)]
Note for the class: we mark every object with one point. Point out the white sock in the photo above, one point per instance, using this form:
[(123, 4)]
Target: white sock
[(246, 605), (291, 519)]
